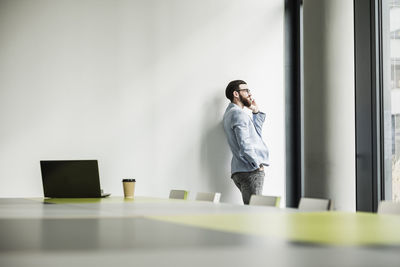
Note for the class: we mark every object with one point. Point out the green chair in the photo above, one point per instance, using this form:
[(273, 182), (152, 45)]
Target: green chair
[(260, 200), (389, 207), (178, 194), (314, 204), (211, 197)]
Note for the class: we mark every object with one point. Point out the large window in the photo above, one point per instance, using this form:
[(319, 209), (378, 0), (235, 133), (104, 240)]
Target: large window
[(391, 97)]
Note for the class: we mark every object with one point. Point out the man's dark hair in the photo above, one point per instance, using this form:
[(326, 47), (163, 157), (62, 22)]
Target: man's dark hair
[(233, 86)]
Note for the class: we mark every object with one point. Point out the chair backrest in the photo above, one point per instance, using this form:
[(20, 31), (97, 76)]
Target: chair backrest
[(260, 200), (178, 194), (389, 207), (314, 204), (212, 197)]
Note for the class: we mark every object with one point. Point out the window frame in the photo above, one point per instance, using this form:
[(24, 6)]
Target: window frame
[(369, 104)]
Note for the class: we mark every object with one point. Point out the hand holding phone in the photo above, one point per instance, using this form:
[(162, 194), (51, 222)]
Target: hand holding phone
[(253, 107)]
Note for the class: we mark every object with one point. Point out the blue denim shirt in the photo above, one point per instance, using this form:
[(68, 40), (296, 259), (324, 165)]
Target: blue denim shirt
[(245, 139)]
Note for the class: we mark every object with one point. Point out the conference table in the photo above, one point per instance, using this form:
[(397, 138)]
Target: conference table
[(148, 231)]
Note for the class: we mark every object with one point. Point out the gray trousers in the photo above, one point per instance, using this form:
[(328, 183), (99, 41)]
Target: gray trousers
[(249, 183)]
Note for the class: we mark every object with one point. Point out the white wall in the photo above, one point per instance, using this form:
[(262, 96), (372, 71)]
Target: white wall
[(329, 123), (138, 85)]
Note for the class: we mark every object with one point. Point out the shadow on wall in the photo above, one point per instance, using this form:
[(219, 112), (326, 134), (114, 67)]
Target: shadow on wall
[(215, 153)]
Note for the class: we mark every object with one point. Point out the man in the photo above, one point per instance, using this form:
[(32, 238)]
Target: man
[(250, 154)]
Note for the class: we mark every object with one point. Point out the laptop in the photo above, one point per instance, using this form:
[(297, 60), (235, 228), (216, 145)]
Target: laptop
[(71, 179)]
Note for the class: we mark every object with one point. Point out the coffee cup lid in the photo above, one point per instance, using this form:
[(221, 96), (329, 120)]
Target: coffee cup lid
[(128, 180)]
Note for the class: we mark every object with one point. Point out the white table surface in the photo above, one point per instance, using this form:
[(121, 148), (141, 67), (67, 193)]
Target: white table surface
[(118, 233)]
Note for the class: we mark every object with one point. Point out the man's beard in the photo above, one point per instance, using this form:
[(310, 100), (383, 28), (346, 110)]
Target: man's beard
[(246, 102)]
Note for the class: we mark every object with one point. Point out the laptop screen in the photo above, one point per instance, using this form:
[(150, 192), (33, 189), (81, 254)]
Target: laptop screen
[(70, 178)]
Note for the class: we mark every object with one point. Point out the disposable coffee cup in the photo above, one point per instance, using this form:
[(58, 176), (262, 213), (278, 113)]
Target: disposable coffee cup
[(129, 187)]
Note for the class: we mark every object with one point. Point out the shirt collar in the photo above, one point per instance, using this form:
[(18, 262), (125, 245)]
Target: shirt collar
[(233, 105)]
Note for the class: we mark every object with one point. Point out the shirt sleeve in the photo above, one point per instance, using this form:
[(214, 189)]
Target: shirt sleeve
[(258, 120), (240, 126)]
